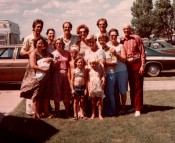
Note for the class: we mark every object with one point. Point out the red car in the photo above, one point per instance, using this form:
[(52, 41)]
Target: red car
[(12, 65)]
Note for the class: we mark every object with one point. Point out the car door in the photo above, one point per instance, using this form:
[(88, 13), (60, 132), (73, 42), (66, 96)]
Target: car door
[(167, 48), (19, 66), (168, 61), (6, 62)]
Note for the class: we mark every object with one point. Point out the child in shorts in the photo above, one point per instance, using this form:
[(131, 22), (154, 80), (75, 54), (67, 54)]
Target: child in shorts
[(79, 87)]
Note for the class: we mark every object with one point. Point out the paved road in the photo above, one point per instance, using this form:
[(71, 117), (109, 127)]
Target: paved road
[(9, 99)]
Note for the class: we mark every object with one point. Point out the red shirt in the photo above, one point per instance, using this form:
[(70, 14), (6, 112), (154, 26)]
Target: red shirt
[(134, 47)]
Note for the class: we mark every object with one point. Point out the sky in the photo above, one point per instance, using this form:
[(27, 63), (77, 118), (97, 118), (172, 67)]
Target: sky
[(55, 12)]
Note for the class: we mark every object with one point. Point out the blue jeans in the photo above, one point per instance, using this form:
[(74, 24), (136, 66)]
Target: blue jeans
[(109, 100)]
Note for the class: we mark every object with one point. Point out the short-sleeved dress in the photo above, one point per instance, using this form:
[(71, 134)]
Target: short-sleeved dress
[(33, 89), (61, 86), (95, 85)]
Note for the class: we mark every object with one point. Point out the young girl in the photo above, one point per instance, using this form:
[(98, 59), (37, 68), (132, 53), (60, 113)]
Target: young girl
[(96, 81), (74, 51), (79, 87)]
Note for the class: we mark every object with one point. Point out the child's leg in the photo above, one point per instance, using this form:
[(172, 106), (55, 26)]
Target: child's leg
[(93, 107), (82, 107), (76, 107), (100, 107)]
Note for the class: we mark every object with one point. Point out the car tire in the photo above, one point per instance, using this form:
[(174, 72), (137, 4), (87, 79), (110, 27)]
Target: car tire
[(153, 70)]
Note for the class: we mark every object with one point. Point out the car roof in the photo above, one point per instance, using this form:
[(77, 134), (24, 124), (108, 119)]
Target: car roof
[(154, 52), (12, 45)]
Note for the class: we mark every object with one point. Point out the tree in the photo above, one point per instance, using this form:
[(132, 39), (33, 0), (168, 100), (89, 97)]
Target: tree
[(143, 18), (163, 18)]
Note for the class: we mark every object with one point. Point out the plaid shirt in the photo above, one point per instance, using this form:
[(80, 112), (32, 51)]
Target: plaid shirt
[(134, 47)]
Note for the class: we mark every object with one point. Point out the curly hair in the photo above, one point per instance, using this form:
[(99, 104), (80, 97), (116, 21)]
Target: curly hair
[(82, 26)]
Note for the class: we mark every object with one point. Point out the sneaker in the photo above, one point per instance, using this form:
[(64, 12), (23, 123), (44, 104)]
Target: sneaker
[(137, 113), (131, 110)]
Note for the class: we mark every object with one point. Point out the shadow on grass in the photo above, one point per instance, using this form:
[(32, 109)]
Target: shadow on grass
[(25, 130), (154, 108)]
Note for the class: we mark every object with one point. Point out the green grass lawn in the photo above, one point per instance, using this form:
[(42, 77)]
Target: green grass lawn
[(155, 125)]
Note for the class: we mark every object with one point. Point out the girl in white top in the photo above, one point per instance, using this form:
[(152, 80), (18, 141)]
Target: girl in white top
[(96, 81)]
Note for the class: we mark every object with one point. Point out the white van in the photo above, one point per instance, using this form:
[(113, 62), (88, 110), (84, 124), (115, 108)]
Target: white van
[(9, 32)]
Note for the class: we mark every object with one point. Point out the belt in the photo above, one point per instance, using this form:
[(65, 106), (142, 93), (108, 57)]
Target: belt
[(63, 71), (132, 59)]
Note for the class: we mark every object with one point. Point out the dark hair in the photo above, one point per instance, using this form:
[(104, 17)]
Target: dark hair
[(102, 19), (37, 21), (50, 29), (82, 26), (61, 39), (68, 23), (78, 58), (113, 29), (103, 37), (37, 39)]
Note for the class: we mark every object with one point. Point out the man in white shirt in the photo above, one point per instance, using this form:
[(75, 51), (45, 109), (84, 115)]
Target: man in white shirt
[(27, 48), (68, 38), (102, 24)]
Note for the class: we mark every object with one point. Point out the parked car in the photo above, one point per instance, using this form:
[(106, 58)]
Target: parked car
[(160, 45), (12, 65), (157, 61)]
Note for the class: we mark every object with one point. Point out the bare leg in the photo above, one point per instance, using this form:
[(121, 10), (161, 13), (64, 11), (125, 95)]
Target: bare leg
[(82, 107), (100, 108), (76, 108), (35, 107), (93, 107)]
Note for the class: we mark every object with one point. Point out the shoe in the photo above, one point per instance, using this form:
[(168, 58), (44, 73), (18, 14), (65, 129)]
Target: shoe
[(122, 112), (137, 113), (131, 110)]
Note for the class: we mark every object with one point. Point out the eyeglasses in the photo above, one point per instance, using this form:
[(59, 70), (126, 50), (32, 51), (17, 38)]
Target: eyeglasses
[(82, 31), (58, 43), (102, 23), (113, 35)]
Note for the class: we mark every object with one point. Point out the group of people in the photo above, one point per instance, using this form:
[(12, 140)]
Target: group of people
[(78, 68)]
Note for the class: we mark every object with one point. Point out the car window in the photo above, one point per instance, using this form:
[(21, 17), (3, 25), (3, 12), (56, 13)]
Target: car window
[(157, 46), (18, 56), (6, 53), (147, 44)]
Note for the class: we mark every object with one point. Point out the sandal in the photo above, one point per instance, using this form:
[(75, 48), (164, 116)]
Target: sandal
[(47, 116), (75, 118)]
